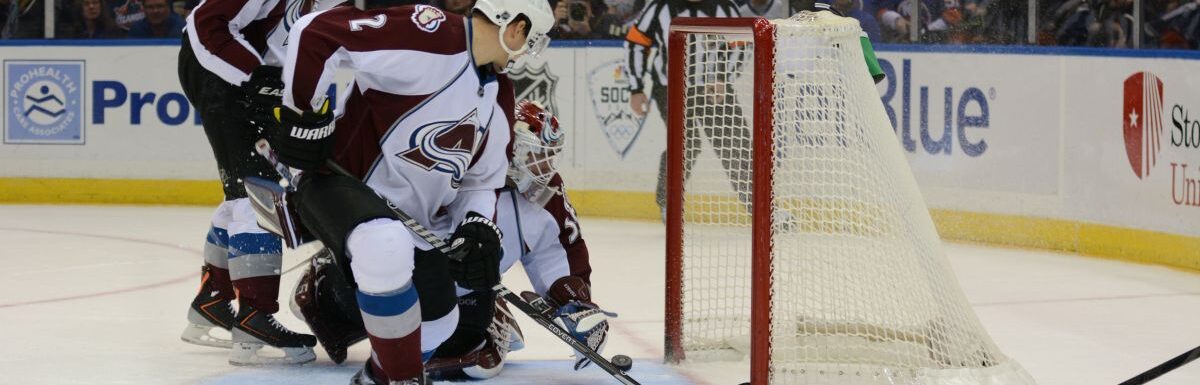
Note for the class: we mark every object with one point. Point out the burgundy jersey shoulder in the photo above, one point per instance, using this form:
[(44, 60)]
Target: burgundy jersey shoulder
[(506, 98), (418, 28)]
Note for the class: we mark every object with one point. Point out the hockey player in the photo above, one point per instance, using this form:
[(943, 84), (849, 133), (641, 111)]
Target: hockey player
[(222, 71), (426, 126), (541, 230)]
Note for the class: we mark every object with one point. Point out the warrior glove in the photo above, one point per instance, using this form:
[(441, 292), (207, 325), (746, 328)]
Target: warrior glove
[(303, 140), (475, 253)]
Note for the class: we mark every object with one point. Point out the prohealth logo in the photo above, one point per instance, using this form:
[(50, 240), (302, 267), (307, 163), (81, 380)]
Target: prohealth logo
[(43, 102)]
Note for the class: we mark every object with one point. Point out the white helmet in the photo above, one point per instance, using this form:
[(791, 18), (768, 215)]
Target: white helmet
[(503, 12), (537, 142)]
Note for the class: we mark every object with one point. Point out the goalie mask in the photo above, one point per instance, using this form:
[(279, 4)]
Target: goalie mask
[(504, 12), (537, 141)]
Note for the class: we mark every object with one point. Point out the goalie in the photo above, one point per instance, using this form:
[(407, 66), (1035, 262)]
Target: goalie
[(541, 231)]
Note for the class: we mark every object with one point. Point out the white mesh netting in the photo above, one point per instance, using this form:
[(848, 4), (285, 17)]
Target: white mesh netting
[(861, 291)]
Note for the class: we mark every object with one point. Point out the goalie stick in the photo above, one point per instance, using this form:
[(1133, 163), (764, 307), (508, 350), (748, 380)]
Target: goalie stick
[(538, 315), (1164, 367)]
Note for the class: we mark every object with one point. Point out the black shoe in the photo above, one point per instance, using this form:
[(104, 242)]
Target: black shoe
[(255, 330), (208, 312)]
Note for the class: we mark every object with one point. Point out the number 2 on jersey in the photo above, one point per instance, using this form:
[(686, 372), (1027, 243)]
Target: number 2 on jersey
[(375, 22)]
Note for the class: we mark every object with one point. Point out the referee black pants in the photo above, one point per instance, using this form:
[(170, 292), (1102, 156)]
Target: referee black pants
[(720, 117)]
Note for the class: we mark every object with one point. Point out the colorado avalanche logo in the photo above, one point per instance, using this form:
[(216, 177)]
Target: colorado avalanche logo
[(428, 18), (446, 146)]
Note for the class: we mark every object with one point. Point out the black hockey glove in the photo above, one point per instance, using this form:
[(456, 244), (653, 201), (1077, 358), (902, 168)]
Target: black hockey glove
[(302, 140), (475, 253), (262, 93)]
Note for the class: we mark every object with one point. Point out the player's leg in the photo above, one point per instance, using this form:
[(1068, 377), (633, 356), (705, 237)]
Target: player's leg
[(729, 133), (384, 265), (486, 330), (254, 256), (211, 307), (691, 145)]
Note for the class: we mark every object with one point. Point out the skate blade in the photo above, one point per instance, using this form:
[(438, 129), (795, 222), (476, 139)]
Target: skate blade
[(260, 354), (202, 335)]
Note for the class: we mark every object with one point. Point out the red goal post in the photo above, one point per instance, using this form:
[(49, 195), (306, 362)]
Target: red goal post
[(761, 32)]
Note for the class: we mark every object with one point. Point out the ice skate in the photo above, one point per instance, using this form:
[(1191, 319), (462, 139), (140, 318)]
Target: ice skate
[(206, 315), (256, 330)]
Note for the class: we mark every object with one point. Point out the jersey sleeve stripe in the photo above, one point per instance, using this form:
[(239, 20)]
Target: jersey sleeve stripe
[(215, 31)]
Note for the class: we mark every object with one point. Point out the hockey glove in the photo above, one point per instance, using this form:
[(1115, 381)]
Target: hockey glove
[(262, 93), (578, 315), (475, 253), (302, 140)]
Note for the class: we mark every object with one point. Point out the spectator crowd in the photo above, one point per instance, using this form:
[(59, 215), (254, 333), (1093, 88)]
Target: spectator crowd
[(1096, 23)]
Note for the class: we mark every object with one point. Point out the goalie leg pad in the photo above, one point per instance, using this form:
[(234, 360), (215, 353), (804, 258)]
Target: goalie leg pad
[(327, 303), (469, 355)]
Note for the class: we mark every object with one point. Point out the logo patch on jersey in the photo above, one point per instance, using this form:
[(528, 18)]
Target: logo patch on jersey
[(609, 87), (535, 83), (446, 146), (428, 18)]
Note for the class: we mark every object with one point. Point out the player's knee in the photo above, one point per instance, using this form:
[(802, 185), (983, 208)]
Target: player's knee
[(242, 217), (437, 331), (224, 214), (381, 255)]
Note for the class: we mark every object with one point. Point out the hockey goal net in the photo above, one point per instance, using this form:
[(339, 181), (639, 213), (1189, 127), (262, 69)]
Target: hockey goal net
[(796, 233)]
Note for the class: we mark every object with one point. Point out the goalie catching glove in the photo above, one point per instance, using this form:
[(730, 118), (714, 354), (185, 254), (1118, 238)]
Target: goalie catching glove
[(475, 253), (302, 140), (576, 313)]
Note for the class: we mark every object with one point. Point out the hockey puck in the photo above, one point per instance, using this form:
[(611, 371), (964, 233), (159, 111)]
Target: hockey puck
[(622, 362)]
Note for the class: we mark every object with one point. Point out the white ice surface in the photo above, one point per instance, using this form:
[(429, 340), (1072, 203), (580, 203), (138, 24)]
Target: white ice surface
[(97, 295)]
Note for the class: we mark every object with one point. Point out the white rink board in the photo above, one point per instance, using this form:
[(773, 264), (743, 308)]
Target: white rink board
[(1054, 132)]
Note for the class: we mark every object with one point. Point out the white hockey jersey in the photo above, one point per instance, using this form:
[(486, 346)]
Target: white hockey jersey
[(545, 238), (422, 124)]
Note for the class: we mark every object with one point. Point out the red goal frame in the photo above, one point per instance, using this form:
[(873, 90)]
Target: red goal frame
[(763, 35)]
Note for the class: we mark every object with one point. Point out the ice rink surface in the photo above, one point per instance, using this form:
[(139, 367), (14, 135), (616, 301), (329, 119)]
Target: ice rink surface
[(98, 294)]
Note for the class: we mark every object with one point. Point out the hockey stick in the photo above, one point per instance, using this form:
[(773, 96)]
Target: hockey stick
[(425, 234), (1163, 368)]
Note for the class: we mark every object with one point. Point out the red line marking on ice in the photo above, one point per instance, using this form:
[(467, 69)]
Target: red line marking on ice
[(168, 282)]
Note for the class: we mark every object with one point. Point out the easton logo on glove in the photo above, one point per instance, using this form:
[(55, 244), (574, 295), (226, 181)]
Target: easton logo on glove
[(270, 91)]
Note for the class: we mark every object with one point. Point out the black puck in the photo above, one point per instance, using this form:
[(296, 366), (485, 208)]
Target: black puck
[(622, 362)]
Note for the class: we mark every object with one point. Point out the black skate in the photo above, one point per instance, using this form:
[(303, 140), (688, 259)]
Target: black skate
[(365, 376), (255, 330), (207, 313)]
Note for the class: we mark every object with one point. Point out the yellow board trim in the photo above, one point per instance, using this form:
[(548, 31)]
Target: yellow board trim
[(111, 191), (1105, 241)]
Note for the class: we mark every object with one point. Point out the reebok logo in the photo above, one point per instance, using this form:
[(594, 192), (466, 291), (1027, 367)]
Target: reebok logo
[(1142, 120)]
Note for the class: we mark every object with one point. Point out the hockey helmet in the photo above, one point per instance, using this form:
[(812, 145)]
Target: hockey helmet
[(537, 141), (503, 12)]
